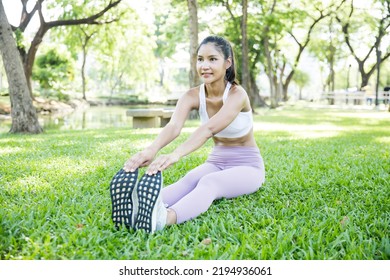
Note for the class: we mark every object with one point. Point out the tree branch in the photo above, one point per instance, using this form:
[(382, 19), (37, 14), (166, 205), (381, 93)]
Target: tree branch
[(89, 20), (227, 6), (344, 28), (273, 7), (26, 17)]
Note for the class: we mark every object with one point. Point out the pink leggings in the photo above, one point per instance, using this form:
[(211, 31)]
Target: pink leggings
[(228, 172)]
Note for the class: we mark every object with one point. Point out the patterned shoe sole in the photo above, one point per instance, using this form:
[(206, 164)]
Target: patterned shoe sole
[(148, 191), (121, 188)]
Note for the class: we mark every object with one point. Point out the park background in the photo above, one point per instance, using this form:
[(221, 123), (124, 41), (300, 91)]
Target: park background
[(327, 189)]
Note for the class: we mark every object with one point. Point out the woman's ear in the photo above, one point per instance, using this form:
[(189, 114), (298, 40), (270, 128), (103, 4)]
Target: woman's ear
[(228, 62)]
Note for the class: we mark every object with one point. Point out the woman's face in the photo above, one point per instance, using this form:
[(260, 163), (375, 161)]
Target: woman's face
[(211, 65)]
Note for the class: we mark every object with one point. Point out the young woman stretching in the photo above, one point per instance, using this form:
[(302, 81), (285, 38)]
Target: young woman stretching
[(233, 168)]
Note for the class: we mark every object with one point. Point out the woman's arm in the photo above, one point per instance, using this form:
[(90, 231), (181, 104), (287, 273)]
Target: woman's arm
[(229, 111), (184, 105)]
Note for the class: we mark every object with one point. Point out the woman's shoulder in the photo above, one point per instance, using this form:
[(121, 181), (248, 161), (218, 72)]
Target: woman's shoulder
[(238, 95), (237, 89), (190, 97), (238, 92), (192, 93)]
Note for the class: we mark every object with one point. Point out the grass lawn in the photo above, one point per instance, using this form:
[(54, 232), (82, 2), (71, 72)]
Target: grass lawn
[(326, 196)]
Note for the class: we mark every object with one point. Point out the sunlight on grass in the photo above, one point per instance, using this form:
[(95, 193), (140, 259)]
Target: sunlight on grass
[(301, 131), (384, 140), (145, 131), (362, 115), (10, 150), (133, 145), (31, 184)]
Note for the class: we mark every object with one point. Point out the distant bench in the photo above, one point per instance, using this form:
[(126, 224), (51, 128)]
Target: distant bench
[(148, 118), (355, 98)]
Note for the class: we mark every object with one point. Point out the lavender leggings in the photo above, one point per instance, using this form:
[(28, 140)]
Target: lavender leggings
[(228, 172)]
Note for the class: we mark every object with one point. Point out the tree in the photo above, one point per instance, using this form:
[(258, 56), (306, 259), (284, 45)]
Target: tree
[(357, 35), (86, 39), (252, 53), (325, 46), (301, 79), (193, 27), (245, 73), (28, 56), (270, 21), (78, 38), (307, 21), (125, 62), (170, 19), (24, 117)]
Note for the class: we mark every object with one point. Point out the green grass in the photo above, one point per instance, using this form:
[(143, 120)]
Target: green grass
[(326, 196)]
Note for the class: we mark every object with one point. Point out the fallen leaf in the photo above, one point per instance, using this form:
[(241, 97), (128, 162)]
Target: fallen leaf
[(206, 241), (344, 220), (184, 253)]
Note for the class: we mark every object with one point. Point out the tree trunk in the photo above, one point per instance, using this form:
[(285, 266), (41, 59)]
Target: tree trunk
[(286, 84), (331, 69), (83, 79), (255, 93), (29, 59), (193, 23), (245, 76), (270, 73), (85, 40), (245, 81), (161, 71), (365, 77), (24, 116)]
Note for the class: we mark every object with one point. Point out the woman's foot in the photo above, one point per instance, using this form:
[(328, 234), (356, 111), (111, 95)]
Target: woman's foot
[(121, 190), (152, 214)]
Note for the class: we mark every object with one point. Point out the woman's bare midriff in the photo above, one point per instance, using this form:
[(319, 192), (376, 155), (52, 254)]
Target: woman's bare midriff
[(246, 141)]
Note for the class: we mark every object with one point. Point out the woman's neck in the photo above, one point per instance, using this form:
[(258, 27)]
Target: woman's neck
[(215, 89)]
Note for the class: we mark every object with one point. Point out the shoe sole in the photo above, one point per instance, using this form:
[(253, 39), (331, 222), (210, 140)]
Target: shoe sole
[(121, 189), (148, 191)]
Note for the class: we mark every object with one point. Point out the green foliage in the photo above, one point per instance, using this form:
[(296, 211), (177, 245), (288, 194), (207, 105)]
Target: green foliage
[(167, 18), (20, 40), (301, 78), (326, 194), (124, 52), (54, 70), (70, 9)]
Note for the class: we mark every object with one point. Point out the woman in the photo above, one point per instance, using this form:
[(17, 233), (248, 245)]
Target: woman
[(234, 167)]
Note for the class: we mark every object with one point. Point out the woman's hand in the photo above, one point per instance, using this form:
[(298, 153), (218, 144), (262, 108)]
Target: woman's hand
[(162, 163), (140, 159)]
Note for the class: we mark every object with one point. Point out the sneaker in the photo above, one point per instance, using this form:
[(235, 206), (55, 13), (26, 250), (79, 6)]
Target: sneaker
[(122, 197), (152, 213), (162, 213)]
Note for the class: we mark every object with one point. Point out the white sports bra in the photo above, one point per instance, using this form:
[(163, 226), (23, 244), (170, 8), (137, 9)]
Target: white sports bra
[(239, 127)]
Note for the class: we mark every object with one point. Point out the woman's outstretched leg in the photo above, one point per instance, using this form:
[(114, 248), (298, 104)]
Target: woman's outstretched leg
[(227, 183), (173, 193)]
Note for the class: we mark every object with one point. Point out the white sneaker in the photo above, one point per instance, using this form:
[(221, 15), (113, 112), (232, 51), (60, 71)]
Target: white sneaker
[(162, 213), (152, 214)]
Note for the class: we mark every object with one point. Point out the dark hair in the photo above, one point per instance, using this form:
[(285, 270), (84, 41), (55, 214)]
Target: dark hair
[(226, 49)]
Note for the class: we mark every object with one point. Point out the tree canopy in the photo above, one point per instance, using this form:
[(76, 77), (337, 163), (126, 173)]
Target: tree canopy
[(129, 47)]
